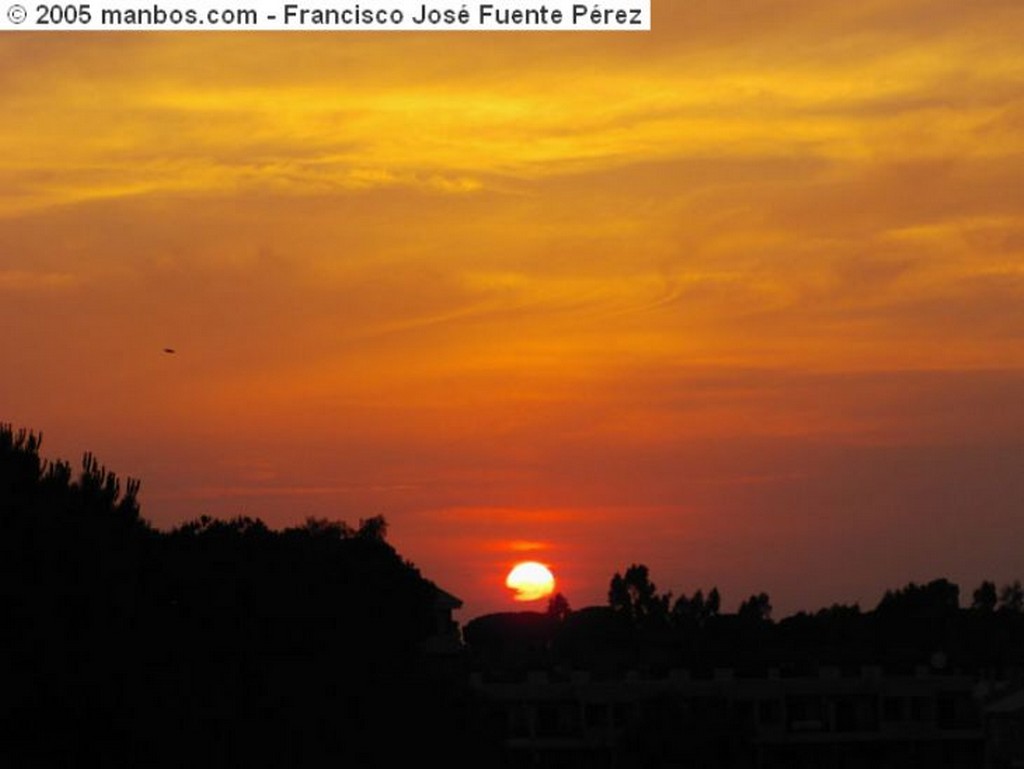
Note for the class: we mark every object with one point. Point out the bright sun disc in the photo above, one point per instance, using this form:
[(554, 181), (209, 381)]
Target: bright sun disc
[(530, 581)]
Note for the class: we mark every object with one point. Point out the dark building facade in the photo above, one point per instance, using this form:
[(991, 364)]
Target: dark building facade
[(828, 721)]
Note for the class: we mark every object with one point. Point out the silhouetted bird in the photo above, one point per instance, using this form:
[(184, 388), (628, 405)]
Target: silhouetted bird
[(169, 350)]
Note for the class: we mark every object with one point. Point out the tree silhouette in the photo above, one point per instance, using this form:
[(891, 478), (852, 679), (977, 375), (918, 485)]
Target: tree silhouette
[(1011, 598), (713, 604), (757, 608), (635, 597), (985, 597), (221, 641), (939, 598), (558, 607), (696, 610), (373, 528)]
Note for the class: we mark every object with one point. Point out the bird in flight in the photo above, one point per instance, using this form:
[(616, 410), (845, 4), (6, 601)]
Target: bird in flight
[(170, 350)]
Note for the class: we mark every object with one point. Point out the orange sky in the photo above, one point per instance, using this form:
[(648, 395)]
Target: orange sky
[(741, 298)]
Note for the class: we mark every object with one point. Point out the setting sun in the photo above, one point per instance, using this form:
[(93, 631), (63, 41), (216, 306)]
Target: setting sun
[(530, 581)]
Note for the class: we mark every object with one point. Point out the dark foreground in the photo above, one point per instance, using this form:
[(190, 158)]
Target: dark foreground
[(227, 644)]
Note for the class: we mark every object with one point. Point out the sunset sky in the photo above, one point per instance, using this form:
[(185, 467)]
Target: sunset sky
[(741, 298)]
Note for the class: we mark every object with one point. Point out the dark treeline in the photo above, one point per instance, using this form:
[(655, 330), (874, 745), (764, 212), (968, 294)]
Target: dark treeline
[(649, 682), (642, 629), (220, 643)]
